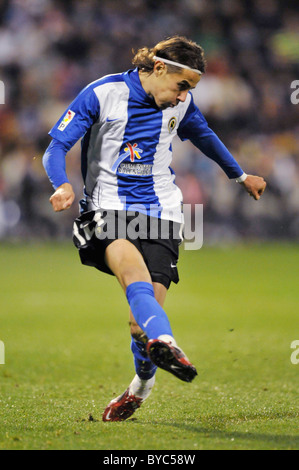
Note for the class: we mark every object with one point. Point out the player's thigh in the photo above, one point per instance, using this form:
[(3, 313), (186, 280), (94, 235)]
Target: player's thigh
[(126, 262)]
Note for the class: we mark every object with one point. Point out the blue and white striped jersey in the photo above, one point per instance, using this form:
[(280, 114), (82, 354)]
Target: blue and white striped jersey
[(127, 146)]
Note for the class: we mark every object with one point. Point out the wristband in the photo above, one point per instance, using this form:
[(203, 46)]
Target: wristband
[(241, 178)]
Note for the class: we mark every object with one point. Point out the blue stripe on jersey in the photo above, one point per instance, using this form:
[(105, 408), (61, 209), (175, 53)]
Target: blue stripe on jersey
[(141, 137)]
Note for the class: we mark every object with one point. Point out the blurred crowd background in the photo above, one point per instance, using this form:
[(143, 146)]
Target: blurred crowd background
[(49, 50)]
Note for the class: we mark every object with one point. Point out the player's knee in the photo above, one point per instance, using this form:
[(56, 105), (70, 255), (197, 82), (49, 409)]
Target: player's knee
[(126, 262), (131, 274)]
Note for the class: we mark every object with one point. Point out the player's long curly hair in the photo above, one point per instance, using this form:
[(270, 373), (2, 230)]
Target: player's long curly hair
[(176, 48)]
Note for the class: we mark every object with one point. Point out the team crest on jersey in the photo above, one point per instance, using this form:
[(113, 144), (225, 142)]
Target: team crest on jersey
[(66, 120), (130, 150), (171, 124)]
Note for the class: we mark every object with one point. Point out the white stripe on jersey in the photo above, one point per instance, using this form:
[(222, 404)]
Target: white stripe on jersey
[(106, 138)]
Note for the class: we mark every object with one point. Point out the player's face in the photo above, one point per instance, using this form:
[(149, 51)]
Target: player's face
[(172, 88)]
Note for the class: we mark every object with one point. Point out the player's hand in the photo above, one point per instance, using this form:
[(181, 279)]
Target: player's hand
[(255, 186), (63, 197)]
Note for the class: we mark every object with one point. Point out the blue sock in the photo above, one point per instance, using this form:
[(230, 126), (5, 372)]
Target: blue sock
[(144, 367), (148, 314)]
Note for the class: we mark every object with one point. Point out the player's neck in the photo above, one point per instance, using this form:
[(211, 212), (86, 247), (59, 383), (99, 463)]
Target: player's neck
[(146, 82)]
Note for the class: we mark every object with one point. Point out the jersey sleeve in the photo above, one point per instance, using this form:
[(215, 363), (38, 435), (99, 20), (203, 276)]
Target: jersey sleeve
[(195, 128), (81, 115), (54, 163), (73, 124)]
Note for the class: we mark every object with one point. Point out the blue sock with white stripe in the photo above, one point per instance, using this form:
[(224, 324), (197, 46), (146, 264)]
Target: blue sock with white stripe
[(148, 314)]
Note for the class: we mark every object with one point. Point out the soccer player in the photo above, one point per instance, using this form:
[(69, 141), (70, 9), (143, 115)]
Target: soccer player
[(128, 121)]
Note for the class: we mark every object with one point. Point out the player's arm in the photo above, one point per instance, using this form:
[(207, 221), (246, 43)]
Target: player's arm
[(72, 125), (54, 164), (213, 148), (195, 128)]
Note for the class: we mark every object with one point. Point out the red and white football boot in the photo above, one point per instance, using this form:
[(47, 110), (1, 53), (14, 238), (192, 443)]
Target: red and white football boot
[(171, 358)]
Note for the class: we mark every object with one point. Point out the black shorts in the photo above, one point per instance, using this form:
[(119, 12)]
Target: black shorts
[(156, 239)]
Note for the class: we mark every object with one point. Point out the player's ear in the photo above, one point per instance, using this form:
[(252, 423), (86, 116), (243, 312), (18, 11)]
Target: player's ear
[(159, 68)]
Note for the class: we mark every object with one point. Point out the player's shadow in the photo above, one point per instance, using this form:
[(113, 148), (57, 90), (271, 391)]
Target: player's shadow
[(278, 441)]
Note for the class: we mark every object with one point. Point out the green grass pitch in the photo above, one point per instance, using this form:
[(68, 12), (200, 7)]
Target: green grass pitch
[(67, 352)]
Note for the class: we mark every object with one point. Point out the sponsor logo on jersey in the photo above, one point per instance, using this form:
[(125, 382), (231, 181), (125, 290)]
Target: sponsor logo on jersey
[(135, 169), (130, 150), (66, 120), (171, 124)]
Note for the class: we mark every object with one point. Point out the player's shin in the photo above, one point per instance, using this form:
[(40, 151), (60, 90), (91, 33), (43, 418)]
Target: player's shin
[(147, 312)]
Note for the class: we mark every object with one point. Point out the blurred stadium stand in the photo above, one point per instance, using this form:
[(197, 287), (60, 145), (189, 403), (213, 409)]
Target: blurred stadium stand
[(49, 50)]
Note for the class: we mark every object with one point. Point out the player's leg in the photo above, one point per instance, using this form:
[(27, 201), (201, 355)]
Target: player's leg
[(144, 367), (123, 259), (128, 265), (141, 386)]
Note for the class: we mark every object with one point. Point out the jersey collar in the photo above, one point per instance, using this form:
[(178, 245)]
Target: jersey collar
[(133, 81)]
